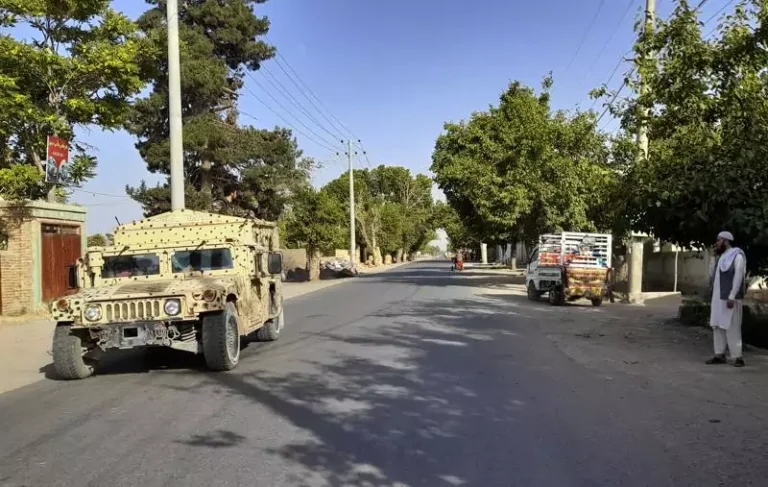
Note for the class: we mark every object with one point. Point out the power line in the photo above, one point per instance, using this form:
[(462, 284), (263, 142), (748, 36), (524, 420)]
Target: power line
[(613, 73), (622, 60), (365, 153), (287, 122), (272, 79), (586, 34), (615, 96), (728, 4), (96, 193), (605, 46), (291, 78), (253, 78)]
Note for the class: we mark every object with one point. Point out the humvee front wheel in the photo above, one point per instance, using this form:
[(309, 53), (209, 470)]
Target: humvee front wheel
[(68, 354), (221, 339), (272, 328)]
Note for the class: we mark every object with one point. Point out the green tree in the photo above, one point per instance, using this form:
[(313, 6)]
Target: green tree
[(314, 222), (97, 240), (238, 170), (393, 208), (77, 68), (707, 167), (519, 170), (260, 187), (459, 236)]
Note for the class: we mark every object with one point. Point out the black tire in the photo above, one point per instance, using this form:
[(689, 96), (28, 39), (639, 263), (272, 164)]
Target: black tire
[(68, 350), (597, 302), (221, 339), (556, 297), (272, 328), (533, 293)]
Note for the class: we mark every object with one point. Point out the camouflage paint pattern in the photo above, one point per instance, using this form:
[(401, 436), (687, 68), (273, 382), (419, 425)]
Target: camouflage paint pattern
[(125, 299)]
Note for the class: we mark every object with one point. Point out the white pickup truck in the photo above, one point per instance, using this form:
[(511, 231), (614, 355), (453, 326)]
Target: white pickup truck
[(570, 266)]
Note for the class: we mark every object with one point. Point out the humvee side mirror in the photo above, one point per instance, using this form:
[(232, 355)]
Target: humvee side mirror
[(72, 277), (275, 263)]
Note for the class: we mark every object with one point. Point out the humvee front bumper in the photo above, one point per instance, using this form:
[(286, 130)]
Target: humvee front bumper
[(177, 334)]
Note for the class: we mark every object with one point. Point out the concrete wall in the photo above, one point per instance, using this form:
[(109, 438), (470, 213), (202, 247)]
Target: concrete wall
[(294, 259), (692, 271), (21, 286)]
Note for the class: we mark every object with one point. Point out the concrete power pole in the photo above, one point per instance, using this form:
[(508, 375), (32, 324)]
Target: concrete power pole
[(174, 107), (638, 241), (642, 127), (352, 244)]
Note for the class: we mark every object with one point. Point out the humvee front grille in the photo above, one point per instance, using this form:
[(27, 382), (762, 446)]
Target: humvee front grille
[(134, 310)]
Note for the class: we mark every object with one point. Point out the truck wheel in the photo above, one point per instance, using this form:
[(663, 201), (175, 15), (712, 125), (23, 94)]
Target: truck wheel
[(272, 328), (597, 302), (68, 355), (221, 339), (556, 297), (533, 294)]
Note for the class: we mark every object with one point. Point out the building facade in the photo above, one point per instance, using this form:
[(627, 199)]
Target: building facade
[(38, 243)]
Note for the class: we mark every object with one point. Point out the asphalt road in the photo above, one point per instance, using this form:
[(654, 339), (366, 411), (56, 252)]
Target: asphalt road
[(410, 377)]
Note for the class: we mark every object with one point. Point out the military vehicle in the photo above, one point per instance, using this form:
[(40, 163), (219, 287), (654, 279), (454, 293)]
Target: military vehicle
[(186, 280)]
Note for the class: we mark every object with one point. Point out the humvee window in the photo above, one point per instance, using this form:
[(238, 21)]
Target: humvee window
[(202, 260), (130, 266)]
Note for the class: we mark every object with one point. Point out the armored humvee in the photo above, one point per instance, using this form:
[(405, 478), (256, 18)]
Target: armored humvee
[(187, 280)]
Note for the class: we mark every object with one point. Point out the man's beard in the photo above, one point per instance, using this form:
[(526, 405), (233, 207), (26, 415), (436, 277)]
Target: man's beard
[(720, 249)]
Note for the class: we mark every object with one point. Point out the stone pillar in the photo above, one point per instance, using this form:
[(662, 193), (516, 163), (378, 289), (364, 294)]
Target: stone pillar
[(484, 253), (636, 270)]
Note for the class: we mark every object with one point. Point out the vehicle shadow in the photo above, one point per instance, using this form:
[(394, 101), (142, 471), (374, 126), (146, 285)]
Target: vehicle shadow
[(138, 361)]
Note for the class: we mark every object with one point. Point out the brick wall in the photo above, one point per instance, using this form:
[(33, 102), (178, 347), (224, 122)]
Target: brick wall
[(16, 264)]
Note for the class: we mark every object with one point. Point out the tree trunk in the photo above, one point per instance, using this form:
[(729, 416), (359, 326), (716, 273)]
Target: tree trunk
[(377, 259), (313, 265), (205, 176), (400, 253)]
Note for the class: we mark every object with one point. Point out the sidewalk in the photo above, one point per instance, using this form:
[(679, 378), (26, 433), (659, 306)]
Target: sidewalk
[(25, 343)]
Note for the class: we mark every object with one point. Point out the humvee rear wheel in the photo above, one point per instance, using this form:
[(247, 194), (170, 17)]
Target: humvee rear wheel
[(221, 339), (68, 355), (272, 328)]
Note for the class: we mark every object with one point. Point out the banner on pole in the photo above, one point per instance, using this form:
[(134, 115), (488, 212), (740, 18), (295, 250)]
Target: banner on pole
[(56, 170)]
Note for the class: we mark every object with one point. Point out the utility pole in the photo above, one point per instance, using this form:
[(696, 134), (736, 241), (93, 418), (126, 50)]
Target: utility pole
[(638, 240), (174, 107), (642, 126), (352, 245)]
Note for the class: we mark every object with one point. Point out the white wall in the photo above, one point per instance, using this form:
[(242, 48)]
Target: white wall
[(692, 271)]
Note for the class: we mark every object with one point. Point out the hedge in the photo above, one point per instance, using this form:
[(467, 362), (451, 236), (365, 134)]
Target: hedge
[(754, 326)]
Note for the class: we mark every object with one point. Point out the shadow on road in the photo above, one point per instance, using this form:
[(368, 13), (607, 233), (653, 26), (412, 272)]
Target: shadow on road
[(216, 439), (406, 400)]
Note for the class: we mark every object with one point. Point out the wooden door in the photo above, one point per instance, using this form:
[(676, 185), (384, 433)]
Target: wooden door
[(61, 249)]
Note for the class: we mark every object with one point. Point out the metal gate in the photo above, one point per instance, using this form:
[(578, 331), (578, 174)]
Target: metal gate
[(61, 249)]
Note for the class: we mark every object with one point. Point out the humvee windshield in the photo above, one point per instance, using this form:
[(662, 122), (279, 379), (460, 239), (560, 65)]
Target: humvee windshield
[(130, 266), (202, 260)]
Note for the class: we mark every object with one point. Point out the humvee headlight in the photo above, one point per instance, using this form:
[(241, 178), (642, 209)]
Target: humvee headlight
[(209, 295), (172, 307), (62, 305), (92, 312)]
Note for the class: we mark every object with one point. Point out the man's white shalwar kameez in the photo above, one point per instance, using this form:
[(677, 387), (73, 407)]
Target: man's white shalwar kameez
[(726, 323)]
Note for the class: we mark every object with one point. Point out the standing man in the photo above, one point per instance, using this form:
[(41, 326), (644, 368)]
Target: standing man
[(728, 289)]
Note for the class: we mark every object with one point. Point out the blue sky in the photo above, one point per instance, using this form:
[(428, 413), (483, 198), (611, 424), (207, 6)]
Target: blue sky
[(393, 72)]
